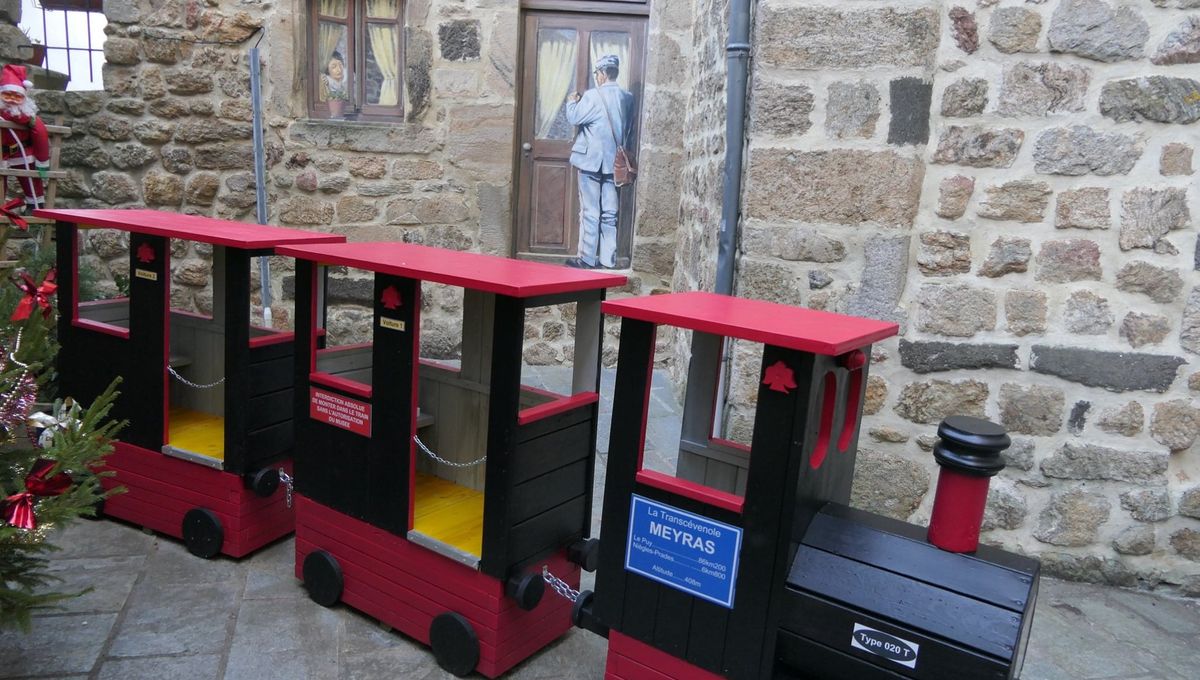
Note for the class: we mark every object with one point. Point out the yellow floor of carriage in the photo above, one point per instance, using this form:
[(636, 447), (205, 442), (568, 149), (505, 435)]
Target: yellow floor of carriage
[(447, 512), (197, 432)]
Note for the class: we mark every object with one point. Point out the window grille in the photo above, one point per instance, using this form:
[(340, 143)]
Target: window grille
[(73, 33)]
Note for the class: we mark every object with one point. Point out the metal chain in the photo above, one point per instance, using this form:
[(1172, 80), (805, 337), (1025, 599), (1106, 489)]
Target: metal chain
[(559, 586), (288, 482), (443, 461), (189, 383)]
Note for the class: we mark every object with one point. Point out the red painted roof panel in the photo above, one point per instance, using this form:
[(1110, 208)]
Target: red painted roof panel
[(191, 227), (807, 330), (489, 273)]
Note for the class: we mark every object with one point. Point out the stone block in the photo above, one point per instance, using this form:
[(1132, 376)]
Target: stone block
[(1085, 461), (876, 395), (459, 40), (1189, 327), (114, 187), (1135, 540), (373, 137), (127, 107), (305, 210), (1176, 159), (1161, 99), (1015, 29), (931, 356), (201, 188), (1147, 505), (1039, 89), (368, 167), (964, 29), (1175, 424), (480, 138), (1182, 45), (852, 110), (1148, 215), (1025, 311), (132, 156), (888, 484), (351, 209), (964, 98), (830, 38), (887, 435), (957, 310), (110, 128), (1077, 418), (910, 101), (1161, 284), (168, 107), (1186, 542), (1006, 506), (842, 186), (1093, 29), (929, 402), (884, 274), (1079, 150), (122, 11), (162, 190), (1035, 410), (768, 280), (1068, 260), (224, 156), (1072, 518), (978, 146), (944, 253), (1086, 569), (1140, 329), (793, 244), (188, 81), (1115, 371), (953, 195), (1189, 503), (818, 279), (1020, 200), (1084, 208), (777, 108), (1008, 255), (122, 51)]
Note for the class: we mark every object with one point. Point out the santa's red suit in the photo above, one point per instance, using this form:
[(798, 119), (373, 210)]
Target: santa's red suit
[(27, 146)]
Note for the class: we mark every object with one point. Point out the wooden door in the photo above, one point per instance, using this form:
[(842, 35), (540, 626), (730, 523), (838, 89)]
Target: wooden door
[(557, 60)]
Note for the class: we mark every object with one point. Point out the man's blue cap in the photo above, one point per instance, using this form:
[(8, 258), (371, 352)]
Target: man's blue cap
[(608, 61)]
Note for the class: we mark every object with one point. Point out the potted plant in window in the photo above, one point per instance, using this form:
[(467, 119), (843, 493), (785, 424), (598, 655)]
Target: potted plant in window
[(337, 103), (38, 55)]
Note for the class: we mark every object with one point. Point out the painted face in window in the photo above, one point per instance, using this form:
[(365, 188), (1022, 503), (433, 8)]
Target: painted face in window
[(336, 69)]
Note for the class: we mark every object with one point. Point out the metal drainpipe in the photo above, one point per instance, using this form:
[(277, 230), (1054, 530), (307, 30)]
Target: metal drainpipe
[(737, 51), (260, 178)]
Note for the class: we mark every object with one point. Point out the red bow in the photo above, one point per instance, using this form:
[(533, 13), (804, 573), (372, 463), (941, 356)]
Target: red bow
[(18, 508), (34, 295), (7, 211)]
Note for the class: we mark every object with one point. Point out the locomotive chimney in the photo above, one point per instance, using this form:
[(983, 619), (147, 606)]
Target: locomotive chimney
[(968, 451)]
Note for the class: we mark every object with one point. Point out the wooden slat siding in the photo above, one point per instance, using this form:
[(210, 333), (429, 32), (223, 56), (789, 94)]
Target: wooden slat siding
[(818, 661), (540, 494), (238, 374), (269, 376), (706, 641), (143, 391), (831, 624), (784, 431), (270, 409), (389, 451), (268, 444), (538, 537), (555, 423), (919, 560), (270, 430), (115, 312), (508, 331), (534, 457), (673, 630)]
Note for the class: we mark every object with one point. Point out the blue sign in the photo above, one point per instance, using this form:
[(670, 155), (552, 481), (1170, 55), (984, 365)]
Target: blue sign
[(683, 550)]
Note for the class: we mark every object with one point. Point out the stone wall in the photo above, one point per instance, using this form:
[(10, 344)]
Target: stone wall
[(1014, 184)]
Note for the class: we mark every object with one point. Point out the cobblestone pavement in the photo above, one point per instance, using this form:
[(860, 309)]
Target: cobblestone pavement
[(156, 612)]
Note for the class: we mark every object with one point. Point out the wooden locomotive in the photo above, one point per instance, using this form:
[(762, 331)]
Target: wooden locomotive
[(776, 577), (430, 495), (208, 398)]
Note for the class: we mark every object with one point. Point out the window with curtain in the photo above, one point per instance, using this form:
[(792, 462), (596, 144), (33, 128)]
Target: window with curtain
[(357, 59)]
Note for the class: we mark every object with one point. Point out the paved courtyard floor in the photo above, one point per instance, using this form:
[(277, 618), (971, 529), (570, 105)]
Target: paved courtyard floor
[(155, 612)]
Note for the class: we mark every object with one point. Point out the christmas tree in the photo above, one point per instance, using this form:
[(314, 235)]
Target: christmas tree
[(47, 454)]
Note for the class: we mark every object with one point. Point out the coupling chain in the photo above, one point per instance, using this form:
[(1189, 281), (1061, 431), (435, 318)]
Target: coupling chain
[(559, 586), (189, 383), (288, 482), (443, 461)]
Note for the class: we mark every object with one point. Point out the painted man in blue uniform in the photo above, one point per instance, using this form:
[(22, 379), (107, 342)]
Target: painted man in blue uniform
[(593, 154)]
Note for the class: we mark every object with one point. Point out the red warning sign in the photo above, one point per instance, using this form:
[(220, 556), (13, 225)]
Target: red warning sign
[(339, 411)]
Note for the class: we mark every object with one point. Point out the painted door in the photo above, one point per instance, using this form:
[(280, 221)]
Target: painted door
[(560, 50)]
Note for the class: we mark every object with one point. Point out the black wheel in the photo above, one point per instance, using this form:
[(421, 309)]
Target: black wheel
[(202, 532), (265, 482), (585, 553), (526, 590), (323, 578), (455, 644)]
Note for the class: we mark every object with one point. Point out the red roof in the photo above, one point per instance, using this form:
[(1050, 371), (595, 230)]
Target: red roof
[(516, 278), (807, 330), (191, 227)]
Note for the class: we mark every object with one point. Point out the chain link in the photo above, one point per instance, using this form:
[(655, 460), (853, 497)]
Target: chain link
[(559, 586), (189, 383), (443, 461), (288, 482)]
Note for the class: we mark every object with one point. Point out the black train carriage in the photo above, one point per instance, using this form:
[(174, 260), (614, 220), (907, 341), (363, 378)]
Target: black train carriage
[(783, 580), (443, 533), (207, 397)]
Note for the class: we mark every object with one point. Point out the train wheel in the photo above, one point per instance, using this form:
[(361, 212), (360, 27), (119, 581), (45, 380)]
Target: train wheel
[(455, 644), (202, 532), (526, 590), (265, 482), (323, 578)]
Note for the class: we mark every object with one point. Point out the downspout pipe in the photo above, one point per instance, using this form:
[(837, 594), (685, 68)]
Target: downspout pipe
[(737, 52), (260, 177)]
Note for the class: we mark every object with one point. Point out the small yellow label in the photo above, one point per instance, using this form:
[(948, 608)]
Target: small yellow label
[(143, 274), (394, 324)]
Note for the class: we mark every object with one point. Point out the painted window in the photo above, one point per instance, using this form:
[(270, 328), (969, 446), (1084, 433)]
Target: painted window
[(70, 33), (356, 60)]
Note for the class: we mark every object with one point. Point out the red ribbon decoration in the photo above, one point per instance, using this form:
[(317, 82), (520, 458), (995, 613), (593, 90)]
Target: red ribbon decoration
[(35, 295), (18, 508), (7, 211)]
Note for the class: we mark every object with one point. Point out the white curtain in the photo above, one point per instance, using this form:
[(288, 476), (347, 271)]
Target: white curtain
[(330, 37), (385, 48), (606, 42), (555, 76)]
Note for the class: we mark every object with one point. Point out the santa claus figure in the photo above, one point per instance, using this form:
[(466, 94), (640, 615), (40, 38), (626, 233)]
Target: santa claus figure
[(26, 147)]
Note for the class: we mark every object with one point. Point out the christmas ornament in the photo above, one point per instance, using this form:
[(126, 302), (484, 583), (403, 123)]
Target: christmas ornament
[(35, 295), (18, 508), (15, 407), (9, 210), (27, 146), (43, 426)]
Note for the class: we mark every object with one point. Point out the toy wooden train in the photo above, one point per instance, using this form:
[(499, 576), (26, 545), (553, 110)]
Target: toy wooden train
[(442, 497)]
